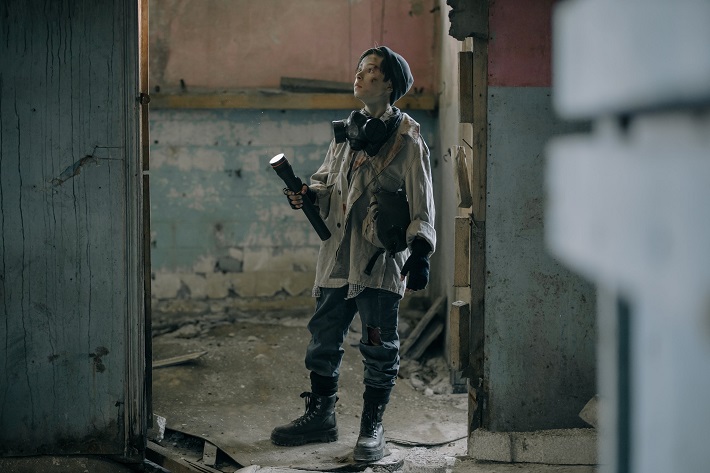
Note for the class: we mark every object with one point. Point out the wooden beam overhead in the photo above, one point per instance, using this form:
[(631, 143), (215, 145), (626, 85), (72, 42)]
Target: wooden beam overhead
[(266, 99)]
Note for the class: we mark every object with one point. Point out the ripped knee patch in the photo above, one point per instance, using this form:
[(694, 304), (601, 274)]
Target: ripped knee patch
[(374, 336)]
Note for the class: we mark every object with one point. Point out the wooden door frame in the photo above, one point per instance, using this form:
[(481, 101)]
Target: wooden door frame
[(470, 25), (138, 327)]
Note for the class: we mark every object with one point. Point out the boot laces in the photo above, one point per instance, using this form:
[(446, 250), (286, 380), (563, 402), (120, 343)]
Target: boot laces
[(370, 419), (311, 408)]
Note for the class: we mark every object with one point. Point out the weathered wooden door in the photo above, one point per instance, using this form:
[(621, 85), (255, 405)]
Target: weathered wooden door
[(72, 315)]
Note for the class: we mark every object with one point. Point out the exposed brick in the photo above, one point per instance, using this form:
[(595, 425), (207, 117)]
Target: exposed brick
[(243, 284), (197, 285), (217, 285), (165, 285), (268, 283), (297, 283)]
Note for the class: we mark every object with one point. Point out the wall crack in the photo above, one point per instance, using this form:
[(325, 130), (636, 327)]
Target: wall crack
[(74, 169)]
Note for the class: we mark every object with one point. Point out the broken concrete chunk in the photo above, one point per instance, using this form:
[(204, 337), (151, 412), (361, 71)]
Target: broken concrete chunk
[(589, 411), (188, 331)]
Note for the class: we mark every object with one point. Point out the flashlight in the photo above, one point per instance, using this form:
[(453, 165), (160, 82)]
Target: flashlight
[(284, 170)]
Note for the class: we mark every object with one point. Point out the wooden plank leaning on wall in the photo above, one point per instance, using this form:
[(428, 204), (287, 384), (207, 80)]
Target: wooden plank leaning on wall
[(473, 108)]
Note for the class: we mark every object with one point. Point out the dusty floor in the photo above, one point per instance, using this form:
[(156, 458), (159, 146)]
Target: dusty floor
[(215, 412), (247, 378)]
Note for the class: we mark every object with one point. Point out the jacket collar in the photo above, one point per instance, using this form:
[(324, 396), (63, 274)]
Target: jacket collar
[(407, 128)]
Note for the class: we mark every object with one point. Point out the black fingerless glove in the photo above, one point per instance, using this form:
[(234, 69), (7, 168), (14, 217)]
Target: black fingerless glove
[(417, 265), (310, 194)]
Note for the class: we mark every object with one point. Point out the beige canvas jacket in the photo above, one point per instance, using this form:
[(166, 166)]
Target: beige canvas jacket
[(402, 162)]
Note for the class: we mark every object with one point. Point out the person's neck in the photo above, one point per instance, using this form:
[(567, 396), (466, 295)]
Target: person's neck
[(376, 110)]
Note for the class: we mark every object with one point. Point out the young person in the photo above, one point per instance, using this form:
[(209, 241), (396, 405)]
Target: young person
[(354, 274)]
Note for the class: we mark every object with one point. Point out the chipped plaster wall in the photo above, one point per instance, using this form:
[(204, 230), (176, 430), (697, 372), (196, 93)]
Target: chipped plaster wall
[(218, 44), (222, 233)]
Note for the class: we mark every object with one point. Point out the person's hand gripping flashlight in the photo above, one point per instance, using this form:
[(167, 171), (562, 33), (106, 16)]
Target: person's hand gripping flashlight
[(284, 170)]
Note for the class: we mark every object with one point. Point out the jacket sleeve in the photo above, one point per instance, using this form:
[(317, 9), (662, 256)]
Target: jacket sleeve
[(420, 192), (319, 181)]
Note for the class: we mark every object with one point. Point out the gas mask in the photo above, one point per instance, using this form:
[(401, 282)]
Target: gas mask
[(362, 132)]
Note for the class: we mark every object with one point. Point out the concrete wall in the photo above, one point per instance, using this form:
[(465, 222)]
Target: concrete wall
[(539, 346), (71, 268), (540, 334), (222, 234), (539, 318)]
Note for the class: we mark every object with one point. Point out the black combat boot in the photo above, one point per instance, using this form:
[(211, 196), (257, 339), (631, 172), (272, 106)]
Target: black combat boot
[(316, 425), (370, 444)]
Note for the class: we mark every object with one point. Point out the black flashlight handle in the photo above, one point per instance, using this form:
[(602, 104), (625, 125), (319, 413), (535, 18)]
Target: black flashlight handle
[(285, 172)]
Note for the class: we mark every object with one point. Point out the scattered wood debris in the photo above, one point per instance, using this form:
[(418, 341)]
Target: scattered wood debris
[(209, 454), (163, 457), (425, 332), (178, 360)]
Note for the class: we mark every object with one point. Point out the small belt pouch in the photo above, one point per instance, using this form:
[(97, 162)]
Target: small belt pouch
[(387, 219)]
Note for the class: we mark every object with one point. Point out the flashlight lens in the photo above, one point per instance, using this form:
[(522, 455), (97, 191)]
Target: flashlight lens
[(276, 160)]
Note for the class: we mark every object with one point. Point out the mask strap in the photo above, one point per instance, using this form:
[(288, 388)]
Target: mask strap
[(391, 125)]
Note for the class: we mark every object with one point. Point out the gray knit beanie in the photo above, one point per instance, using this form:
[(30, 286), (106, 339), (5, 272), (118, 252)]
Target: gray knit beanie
[(397, 71)]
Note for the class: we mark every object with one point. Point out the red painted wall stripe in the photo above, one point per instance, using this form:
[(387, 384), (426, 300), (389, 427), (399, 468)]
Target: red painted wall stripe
[(520, 45)]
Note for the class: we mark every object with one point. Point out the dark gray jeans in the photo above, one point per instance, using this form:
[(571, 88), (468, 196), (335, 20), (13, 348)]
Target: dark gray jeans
[(379, 344)]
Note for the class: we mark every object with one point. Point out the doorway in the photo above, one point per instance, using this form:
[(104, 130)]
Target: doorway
[(228, 256)]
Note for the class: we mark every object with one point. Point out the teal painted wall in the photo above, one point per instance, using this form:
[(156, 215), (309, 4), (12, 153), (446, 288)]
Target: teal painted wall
[(540, 317), (222, 233)]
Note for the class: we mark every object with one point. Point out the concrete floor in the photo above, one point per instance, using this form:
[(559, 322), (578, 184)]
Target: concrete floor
[(415, 462), (249, 378), (464, 465), (423, 382)]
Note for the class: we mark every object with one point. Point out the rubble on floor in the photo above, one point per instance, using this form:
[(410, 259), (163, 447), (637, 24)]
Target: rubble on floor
[(211, 362)]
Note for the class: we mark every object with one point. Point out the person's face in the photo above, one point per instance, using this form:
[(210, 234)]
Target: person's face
[(370, 85)]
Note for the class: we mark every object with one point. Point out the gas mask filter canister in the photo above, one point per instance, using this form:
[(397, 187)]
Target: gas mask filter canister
[(360, 131)]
